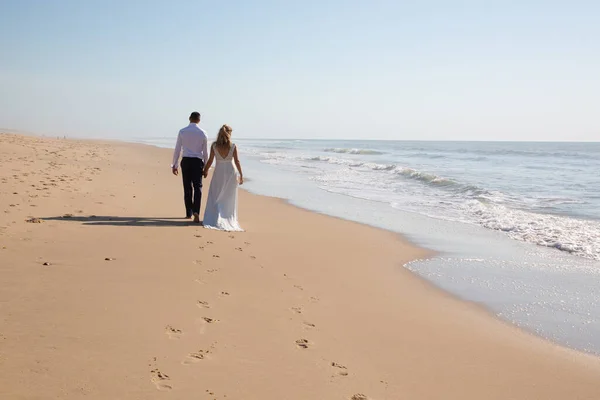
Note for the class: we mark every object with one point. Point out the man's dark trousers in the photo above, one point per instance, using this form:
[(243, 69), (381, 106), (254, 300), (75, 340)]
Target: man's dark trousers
[(191, 172)]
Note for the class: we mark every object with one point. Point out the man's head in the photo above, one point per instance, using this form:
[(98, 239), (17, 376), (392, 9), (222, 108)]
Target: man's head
[(195, 117)]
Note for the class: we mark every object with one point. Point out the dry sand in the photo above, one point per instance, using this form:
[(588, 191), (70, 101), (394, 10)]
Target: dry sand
[(137, 303)]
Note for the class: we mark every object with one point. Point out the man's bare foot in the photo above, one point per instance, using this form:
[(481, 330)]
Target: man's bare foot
[(196, 218)]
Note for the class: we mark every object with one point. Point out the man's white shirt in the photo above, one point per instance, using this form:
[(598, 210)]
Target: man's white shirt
[(192, 140)]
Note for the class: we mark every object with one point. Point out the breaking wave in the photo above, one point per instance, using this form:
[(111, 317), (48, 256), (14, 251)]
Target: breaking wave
[(353, 151)]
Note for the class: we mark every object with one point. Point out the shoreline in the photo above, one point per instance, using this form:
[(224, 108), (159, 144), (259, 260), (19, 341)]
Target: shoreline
[(320, 307), (438, 255), (472, 263), (428, 255)]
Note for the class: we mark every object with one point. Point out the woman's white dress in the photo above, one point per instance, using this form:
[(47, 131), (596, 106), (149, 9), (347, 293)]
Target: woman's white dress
[(221, 205)]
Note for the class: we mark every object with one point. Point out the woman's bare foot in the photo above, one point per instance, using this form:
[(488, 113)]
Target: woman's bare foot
[(196, 218)]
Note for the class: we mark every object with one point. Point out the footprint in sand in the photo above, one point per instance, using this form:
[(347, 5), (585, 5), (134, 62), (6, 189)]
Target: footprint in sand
[(359, 396), (195, 357), (203, 304), (160, 380), (224, 293), (211, 271), (239, 249), (341, 370), (211, 393), (302, 343), (309, 325), (198, 262), (253, 257), (173, 333), (298, 287), (297, 310), (201, 325), (200, 281), (216, 256)]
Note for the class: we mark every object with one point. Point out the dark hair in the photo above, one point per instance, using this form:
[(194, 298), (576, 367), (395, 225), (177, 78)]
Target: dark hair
[(195, 116)]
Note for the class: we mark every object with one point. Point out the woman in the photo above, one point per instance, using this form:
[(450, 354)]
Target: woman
[(221, 205)]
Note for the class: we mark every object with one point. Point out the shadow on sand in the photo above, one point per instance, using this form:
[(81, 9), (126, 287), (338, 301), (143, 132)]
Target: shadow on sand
[(124, 221)]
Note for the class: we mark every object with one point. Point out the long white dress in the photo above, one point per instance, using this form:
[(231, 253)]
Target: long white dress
[(221, 204)]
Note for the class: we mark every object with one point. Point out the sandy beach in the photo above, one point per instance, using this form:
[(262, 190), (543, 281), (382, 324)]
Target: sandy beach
[(108, 293)]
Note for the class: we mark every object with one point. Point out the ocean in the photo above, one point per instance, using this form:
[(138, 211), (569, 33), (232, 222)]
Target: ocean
[(515, 226)]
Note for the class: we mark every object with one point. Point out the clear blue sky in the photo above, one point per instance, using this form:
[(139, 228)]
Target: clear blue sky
[(430, 69)]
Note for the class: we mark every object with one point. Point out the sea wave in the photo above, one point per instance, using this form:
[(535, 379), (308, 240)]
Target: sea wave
[(518, 217), (402, 171), (353, 151), (541, 153), (576, 236), (425, 177)]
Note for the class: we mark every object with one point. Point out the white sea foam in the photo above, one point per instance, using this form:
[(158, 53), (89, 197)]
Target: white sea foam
[(353, 151), (580, 237), (454, 200)]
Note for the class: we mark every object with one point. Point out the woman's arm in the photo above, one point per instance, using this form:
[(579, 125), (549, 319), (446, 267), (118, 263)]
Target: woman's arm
[(238, 165), (210, 161)]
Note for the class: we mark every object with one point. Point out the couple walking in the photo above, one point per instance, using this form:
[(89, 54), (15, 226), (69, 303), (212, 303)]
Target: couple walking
[(221, 205)]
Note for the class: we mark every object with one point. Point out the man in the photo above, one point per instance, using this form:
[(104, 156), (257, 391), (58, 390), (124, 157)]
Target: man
[(194, 143)]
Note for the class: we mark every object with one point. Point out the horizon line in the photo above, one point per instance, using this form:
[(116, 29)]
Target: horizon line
[(94, 137), (428, 140)]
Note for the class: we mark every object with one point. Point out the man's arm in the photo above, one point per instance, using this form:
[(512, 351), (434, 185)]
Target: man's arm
[(205, 152), (176, 154)]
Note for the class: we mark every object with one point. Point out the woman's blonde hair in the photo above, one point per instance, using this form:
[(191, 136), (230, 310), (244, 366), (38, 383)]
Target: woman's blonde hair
[(224, 137)]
